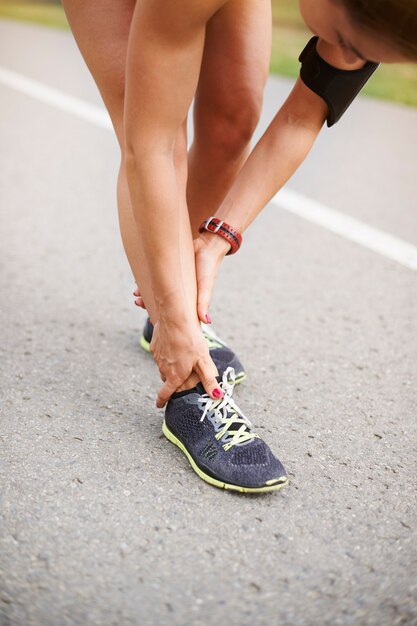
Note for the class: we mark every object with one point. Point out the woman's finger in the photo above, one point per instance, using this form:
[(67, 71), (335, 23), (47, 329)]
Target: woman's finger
[(165, 392), (140, 302), (207, 373), (204, 290), (206, 266)]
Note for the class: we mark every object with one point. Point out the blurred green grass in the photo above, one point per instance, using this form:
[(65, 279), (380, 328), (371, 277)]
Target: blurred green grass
[(37, 12), (395, 82)]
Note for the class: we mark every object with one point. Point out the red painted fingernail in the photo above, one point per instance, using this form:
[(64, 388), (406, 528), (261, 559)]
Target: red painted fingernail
[(208, 318), (217, 393)]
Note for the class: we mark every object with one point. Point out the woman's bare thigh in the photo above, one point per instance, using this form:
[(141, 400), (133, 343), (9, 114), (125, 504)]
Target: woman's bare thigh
[(101, 30), (235, 61)]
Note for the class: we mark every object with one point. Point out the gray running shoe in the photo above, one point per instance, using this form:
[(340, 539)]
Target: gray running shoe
[(223, 357), (219, 440)]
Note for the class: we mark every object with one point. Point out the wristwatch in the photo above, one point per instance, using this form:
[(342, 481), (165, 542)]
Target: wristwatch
[(219, 227)]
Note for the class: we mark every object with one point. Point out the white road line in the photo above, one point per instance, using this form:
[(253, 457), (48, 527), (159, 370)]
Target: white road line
[(56, 98), (339, 223), (348, 227)]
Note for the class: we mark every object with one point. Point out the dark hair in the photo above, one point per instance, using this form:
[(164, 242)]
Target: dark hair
[(395, 20)]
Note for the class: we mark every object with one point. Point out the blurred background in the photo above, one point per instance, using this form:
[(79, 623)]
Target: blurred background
[(394, 82)]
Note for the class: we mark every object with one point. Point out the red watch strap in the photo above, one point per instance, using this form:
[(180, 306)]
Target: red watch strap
[(219, 227)]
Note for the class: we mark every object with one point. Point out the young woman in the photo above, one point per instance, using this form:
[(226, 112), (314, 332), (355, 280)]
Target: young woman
[(150, 58)]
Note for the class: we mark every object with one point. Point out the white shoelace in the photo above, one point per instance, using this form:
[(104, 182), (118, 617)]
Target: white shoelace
[(225, 412)]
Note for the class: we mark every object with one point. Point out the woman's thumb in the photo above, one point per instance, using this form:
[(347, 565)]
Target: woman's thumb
[(204, 289)]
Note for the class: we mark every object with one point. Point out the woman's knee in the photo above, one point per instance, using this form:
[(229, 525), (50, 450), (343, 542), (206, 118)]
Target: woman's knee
[(227, 128)]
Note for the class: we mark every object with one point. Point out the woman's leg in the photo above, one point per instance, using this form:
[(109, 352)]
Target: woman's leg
[(101, 29), (228, 101)]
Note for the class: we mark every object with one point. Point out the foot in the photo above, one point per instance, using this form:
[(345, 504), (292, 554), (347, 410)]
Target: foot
[(219, 441), (223, 357)]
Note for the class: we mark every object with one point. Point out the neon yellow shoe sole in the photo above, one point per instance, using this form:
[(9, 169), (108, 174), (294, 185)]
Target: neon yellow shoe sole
[(271, 485), (144, 344), (240, 376)]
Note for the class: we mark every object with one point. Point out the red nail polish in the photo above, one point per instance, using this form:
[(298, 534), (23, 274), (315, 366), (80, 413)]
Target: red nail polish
[(208, 318), (217, 393)]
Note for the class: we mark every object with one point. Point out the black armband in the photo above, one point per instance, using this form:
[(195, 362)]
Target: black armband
[(338, 88)]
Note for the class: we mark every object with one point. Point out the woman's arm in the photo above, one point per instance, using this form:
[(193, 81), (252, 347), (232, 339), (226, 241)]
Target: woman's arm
[(165, 47), (276, 156), (163, 62)]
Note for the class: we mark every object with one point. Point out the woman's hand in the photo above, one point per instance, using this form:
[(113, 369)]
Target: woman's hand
[(179, 349), (209, 251)]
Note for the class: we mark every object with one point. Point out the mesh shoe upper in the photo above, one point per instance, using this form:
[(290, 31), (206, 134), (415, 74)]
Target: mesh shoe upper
[(220, 439)]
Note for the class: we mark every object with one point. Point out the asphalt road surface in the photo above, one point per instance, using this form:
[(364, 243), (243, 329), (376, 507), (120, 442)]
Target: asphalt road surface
[(103, 522)]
